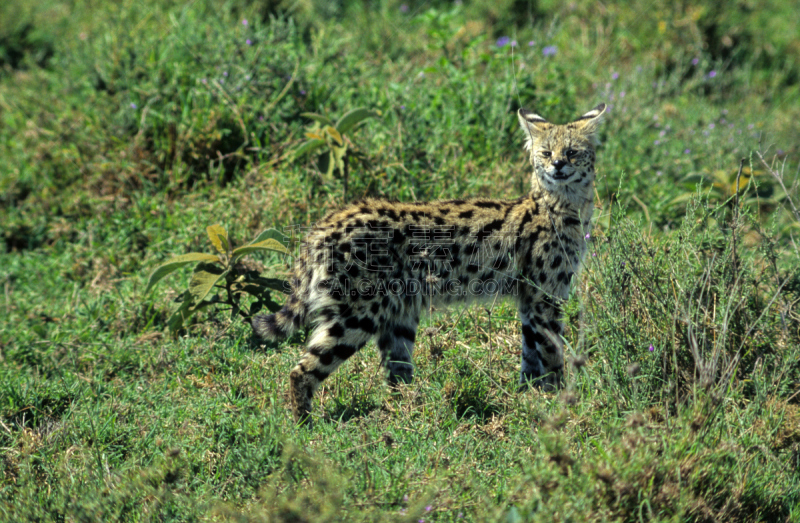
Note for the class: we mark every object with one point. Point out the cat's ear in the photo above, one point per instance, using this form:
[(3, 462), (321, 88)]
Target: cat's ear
[(590, 122), (532, 125)]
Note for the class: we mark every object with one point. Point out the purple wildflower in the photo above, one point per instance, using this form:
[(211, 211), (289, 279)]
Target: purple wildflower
[(657, 142), (302, 92), (248, 42), (503, 41), (695, 61), (405, 497), (402, 107), (513, 43), (134, 106), (712, 74), (588, 236), (687, 151), (550, 50), (659, 173), (225, 73), (614, 75), (244, 22), (651, 348), (711, 126), (531, 43), (428, 508), (204, 81), (403, 8)]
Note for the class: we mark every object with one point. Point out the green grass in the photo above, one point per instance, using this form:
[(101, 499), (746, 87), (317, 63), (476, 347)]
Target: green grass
[(127, 128)]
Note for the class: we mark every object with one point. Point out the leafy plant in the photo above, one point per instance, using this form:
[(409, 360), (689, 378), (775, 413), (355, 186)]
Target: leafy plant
[(335, 141), (723, 185), (224, 271)]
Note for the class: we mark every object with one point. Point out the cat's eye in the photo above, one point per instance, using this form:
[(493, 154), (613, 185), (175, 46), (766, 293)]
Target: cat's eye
[(547, 154), (571, 152)]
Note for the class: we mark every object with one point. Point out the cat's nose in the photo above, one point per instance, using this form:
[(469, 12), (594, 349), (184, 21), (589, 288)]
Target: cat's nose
[(558, 164)]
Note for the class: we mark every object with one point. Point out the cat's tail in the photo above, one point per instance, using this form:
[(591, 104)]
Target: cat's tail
[(283, 323)]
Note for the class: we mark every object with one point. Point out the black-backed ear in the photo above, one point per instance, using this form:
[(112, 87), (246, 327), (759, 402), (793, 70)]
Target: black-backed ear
[(590, 122), (532, 125), (597, 112)]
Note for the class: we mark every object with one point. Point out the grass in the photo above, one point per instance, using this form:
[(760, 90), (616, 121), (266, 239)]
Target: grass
[(125, 130)]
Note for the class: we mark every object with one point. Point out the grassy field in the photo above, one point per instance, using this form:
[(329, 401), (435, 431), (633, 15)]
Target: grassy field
[(127, 128)]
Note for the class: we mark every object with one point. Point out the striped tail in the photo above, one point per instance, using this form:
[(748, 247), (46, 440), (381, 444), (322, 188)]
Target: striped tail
[(283, 323)]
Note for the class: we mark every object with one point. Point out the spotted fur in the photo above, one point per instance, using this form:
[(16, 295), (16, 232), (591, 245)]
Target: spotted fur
[(369, 270)]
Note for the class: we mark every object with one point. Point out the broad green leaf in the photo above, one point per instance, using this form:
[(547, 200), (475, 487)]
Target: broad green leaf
[(307, 147), (685, 197), (743, 182), (335, 135), (275, 284), (219, 238), (338, 157), (184, 312), (721, 176), (175, 322), (175, 264), (250, 288), (273, 233), (264, 245), (263, 285), (749, 172), (203, 280), (693, 178), (354, 117), (260, 285), (331, 164), (324, 120)]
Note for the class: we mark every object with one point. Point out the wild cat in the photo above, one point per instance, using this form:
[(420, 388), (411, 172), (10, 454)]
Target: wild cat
[(370, 269)]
